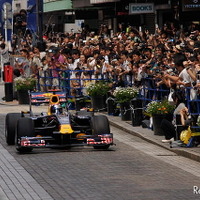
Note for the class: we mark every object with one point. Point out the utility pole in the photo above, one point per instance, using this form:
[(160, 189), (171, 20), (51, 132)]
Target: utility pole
[(39, 11), (5, 22)]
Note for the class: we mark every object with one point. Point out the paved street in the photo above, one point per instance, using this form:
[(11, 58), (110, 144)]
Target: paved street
[(131, 50), (133, 169)]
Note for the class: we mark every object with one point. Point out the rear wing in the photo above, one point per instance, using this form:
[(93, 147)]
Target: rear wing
[(44, 97)]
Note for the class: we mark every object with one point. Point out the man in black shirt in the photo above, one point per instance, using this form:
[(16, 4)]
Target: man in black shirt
[(20, 22)]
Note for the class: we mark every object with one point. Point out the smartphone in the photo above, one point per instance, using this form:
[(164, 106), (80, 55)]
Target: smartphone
[(171, 40)]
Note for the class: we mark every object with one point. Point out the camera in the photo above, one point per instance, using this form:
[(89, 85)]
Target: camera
[(194, 83), (18, 20)]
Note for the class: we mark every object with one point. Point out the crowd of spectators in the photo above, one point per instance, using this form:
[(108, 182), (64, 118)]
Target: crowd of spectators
[(168, 58), (171, 56)]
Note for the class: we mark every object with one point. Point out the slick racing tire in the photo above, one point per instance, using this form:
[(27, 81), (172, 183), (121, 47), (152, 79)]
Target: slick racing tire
[(100, 125), (10, 130), (25, 128)]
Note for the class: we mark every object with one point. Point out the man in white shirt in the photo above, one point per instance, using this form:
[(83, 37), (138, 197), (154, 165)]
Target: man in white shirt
[(4, 56), (183, 79)]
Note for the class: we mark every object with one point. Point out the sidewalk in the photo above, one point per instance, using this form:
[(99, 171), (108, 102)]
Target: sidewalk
[(148, 135)]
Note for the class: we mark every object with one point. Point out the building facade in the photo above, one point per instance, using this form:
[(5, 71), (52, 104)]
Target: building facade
[(145, 14), (73, 15)]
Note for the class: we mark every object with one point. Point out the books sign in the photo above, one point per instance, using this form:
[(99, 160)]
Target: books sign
[(141, 8)]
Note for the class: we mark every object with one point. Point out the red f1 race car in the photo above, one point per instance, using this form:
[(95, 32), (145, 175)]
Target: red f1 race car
[(56, 128)]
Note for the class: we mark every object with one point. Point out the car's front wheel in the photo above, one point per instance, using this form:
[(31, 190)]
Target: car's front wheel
[(100, 125), (25, 128)]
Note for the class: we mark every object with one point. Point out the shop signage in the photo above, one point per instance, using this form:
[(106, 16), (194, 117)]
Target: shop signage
[(191, 5), (102, 1), (141, 8)]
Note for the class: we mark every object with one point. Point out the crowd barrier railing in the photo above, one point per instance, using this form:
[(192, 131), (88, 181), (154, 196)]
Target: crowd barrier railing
[(193, 100), (71, 81), (75, 82), (151, 91)]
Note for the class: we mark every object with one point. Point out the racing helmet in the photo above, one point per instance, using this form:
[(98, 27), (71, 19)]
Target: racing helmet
[(56, 109)]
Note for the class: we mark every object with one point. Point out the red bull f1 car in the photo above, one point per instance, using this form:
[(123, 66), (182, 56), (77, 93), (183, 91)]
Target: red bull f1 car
[(56, 128)]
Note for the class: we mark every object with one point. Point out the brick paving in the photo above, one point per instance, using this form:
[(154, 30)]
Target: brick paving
[(16, 182), (24, 181), (117, 174)]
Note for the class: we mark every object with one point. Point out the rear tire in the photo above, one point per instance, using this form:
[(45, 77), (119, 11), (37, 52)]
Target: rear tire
[(25, 128), (100, 125), (11, 124)]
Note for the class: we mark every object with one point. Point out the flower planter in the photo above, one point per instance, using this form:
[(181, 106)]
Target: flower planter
[(99, 103), (112, 107), (125, 111), (136, 112), (157, 119), (23, 96)]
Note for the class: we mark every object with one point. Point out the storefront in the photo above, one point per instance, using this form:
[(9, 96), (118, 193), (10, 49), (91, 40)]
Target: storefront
[(189, 11)]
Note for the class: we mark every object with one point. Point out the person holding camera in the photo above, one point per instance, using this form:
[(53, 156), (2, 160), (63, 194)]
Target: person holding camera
[(20, 23), (173, 128)]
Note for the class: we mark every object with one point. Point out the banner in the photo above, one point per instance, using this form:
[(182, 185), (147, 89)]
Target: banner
[(6, 19), (32, 16)]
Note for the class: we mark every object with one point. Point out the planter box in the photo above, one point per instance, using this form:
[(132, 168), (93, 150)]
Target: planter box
[(99, 103), (125, 111), (157, 119), (23, 96)]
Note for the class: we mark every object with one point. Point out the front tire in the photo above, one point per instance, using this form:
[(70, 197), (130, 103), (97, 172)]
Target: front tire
[(25, 128), (100, 125), (11, 123)]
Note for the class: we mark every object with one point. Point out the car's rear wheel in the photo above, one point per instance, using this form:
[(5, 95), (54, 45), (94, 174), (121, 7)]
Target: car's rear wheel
[(100, 125), (10, 130), (25, 128)]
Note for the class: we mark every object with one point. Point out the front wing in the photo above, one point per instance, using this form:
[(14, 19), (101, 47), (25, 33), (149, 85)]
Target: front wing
[(85, 140)]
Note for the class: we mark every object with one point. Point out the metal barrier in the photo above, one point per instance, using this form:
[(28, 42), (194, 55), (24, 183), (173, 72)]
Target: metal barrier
[(150, 91), (192, 101), (74, 82), (71, 81)]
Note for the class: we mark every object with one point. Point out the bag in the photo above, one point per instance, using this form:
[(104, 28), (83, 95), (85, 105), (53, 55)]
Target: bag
[(146, 123), (193, 94), (186, 135), (170, 95)]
